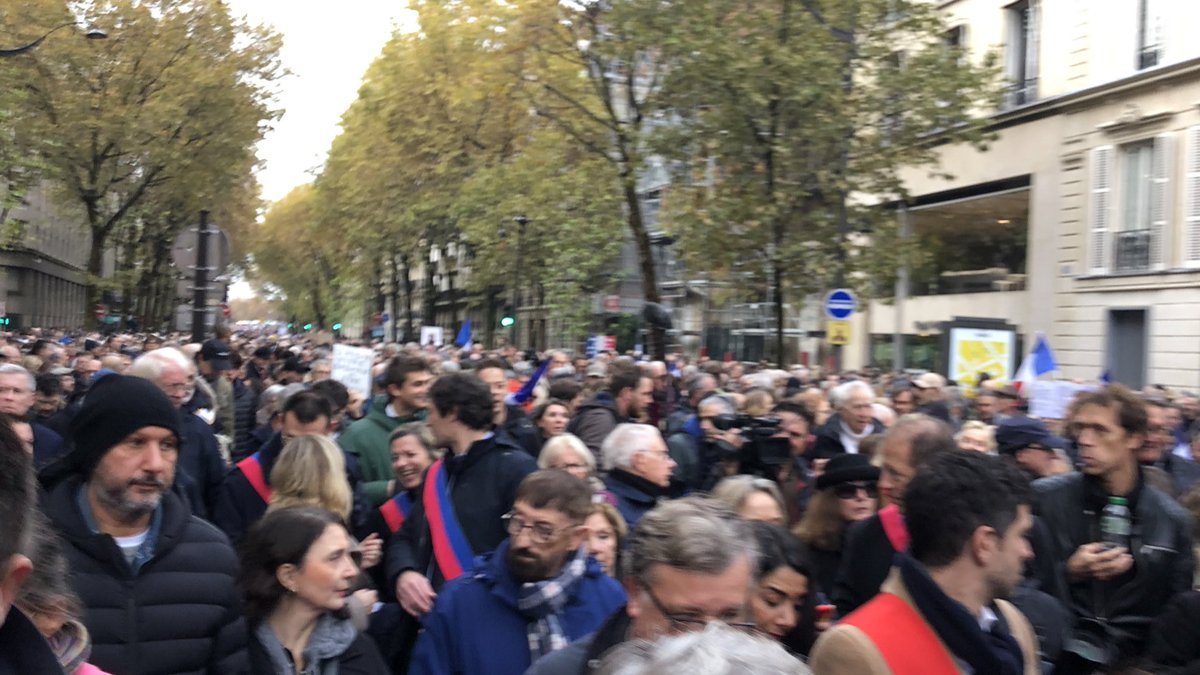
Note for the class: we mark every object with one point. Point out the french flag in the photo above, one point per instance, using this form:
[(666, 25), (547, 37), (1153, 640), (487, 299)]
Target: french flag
[(1037, 363)]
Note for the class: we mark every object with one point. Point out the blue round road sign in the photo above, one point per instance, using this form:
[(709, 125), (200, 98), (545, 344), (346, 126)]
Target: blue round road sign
[(840, 304)]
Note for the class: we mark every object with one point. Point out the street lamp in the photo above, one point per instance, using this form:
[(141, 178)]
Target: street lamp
[(93, 34)]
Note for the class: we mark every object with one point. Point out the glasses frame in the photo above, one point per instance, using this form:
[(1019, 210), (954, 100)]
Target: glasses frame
[(682, 625), (511, 520)]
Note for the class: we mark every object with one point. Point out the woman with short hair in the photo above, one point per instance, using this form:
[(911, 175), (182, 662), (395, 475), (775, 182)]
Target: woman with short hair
[(298, 568), (753, 498), (606, 537), (568, 453)]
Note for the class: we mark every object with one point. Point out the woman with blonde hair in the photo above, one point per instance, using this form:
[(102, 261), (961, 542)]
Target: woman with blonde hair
[(976, 436), (311, 471), (606, 537)]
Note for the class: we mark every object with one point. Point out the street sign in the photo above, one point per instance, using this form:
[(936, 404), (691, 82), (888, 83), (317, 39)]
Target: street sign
[(386, 317), (837, 332), (183, 250), (612, 304), (840, 304)]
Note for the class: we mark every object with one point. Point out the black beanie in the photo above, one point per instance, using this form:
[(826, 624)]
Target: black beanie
[(114, 407)]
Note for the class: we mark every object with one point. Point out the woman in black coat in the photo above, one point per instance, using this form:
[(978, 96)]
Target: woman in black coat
[(846, 493), (298, 568)]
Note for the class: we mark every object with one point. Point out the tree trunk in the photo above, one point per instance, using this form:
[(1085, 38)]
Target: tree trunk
[(657, 336), (408, 298), (95, 268)]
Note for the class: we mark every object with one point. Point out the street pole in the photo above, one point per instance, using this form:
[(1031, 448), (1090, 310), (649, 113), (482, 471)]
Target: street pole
[(200, 280), (521, 221), (898, 356)]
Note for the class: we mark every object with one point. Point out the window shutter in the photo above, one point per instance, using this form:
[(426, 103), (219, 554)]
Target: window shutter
[(1160, 199), (1191, 199), (1100, 210)]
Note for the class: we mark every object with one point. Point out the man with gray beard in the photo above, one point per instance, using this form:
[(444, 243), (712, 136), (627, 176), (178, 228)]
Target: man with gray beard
[(157, 583)]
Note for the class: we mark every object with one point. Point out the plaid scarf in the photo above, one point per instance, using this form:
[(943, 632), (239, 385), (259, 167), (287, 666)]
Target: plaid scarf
[(71, 646), (542, 601)]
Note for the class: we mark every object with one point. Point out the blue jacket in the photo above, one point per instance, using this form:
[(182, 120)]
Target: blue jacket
[(476, 629)]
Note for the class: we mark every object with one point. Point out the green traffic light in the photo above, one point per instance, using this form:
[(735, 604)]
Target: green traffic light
[(308, 326), (507, 322), (337, 326), (290, 325)]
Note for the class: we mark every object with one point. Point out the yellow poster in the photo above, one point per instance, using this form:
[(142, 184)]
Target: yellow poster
[(974, 351)]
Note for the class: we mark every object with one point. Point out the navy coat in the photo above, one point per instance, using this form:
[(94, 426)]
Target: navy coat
[(475, 627)]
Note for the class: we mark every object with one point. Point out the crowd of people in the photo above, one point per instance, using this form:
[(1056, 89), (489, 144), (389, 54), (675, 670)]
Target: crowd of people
[(230, 507)]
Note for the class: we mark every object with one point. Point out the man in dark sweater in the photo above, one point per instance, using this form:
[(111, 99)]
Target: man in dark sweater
[(872, 543)]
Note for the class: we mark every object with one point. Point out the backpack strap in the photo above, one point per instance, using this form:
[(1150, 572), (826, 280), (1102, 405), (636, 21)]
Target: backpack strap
[(902, 637), (251, 468)]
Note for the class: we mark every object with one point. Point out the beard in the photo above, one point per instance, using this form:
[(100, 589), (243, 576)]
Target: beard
[(527, 567), (119, 497)]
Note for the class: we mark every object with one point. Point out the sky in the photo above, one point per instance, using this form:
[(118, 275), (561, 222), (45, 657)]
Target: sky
[(327, 47)]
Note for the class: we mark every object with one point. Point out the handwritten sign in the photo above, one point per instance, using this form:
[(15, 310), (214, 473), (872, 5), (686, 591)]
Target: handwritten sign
[(352, 367)]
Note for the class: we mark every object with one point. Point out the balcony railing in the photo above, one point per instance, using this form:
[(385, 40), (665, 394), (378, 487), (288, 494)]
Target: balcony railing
[(1020, 93), (1133, 250)]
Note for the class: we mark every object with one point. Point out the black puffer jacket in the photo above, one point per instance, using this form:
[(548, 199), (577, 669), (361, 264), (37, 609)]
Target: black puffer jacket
[(1115, 614), (179, 614), (245, 405)]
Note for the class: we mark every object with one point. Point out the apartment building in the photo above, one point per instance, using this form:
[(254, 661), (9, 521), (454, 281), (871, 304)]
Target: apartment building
[(1082, 220)]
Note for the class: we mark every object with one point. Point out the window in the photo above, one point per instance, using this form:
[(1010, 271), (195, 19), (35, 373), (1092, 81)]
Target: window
[(1022, 52), (1149, 52), (957, 37), (1129, 206)]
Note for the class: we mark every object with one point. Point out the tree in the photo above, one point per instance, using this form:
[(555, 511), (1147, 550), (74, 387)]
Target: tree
[(290, 250), (179, 92), (792, 120), (594, 72)]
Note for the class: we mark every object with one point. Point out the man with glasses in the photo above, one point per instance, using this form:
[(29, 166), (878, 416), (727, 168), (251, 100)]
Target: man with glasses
[(639, 469), (689, 563), (201, 468), (534, 595)]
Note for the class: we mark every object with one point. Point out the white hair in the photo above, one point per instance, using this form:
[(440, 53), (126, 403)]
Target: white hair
[(558, 444), (625, 441), (841, 394), (14, 369), (150, 366), (717, 650), (884, 414)]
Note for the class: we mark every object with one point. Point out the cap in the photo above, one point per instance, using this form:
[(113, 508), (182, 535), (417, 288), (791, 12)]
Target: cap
[(597, 370), (929, 381), (216, 354), (847, 468), (1016, 433)]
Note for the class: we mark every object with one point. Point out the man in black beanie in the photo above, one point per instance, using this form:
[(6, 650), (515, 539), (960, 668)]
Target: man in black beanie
[(157, 582)]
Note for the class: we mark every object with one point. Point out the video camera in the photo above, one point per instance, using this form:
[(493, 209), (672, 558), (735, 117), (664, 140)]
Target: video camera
[(762, 450)]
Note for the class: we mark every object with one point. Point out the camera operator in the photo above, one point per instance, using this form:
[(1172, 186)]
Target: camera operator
[(720, 450)]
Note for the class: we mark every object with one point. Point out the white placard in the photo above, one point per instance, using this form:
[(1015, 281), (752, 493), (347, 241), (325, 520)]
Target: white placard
[(352, 367), (431, 335), (1050, 400)]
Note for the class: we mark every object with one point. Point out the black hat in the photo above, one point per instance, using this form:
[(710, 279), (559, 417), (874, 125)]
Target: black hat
[(847, 468), (216, 354), (1019, 432), (116, 406)]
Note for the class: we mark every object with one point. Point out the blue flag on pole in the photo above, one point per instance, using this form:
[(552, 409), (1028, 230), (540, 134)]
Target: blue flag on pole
[(1106, 377), (464, 334), (526, 391)]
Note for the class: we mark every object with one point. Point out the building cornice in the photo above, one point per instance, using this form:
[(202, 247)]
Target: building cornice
[(1083, 98)]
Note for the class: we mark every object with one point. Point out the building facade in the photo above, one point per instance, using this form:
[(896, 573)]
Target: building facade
[(1082, 220), (43, 272)]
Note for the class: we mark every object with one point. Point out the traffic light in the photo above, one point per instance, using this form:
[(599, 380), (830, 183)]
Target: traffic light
[(507, 320), (4, 320), (290, 326), (337, 326), (308, 326)]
